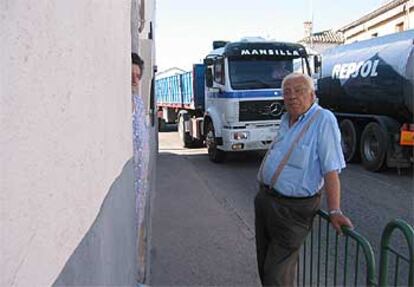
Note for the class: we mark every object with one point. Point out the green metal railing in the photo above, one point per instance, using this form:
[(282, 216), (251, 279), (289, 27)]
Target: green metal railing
[(386, 248), (328, 259)]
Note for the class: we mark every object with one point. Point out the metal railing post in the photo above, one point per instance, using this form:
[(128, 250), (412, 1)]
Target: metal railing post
[(362, 245), (408, 232)]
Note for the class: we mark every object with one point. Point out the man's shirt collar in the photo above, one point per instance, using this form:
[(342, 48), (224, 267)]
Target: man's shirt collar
[(306, 114)]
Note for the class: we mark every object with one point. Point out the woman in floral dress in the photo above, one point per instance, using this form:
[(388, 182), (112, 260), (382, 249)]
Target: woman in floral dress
[(140, 138)]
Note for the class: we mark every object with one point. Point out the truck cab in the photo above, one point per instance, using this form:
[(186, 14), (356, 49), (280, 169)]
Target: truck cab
[(243, 96)]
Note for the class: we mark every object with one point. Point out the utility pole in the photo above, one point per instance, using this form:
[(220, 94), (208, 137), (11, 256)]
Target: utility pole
[(311, 23)]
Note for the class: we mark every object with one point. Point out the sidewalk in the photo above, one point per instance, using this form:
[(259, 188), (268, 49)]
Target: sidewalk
[(195, 241)]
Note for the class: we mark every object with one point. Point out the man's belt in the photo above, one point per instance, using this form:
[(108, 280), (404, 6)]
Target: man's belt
[(275, 193)]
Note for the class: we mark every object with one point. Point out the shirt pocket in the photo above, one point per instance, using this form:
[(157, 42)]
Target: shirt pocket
[(299, 157)]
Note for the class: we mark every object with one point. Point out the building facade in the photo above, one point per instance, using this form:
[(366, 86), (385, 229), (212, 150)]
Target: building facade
[(394, 16), (320, 41)]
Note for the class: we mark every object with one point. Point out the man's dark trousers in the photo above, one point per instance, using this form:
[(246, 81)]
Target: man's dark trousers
[(282, 225)]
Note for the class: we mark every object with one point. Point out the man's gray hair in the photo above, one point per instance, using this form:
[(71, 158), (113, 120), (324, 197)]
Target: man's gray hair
[(295, 75)]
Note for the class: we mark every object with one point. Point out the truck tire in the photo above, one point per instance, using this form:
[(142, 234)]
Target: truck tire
[(350, 135), (161, 124), (374, 145), (185, 137), (214, 154)]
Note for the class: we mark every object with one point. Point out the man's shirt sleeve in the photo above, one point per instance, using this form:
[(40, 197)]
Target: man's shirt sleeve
[(329, 144)]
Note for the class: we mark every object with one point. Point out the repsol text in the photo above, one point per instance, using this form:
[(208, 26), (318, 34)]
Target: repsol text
[(354, 69)]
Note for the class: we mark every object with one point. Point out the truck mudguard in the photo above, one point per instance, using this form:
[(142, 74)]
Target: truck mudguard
[(215, 118)]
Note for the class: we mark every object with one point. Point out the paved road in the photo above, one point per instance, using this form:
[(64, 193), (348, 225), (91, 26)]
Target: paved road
[(203, 221)]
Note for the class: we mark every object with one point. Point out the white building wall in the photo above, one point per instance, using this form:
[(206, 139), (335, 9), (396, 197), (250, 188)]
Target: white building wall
[(320, 47), (383, 24), (65, 121)]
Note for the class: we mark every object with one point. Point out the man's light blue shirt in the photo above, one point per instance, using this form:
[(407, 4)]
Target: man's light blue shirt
[(318, 152)]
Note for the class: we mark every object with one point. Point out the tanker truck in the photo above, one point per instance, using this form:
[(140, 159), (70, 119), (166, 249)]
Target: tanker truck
[(368, 85)]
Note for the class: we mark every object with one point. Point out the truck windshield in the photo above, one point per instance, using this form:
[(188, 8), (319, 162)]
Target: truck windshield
[(256, 74)]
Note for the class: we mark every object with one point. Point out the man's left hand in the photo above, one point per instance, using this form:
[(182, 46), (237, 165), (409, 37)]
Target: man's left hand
[(338, 220)]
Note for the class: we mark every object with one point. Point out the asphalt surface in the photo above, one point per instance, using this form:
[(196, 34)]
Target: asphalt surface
[(198, 236), (203, 216)]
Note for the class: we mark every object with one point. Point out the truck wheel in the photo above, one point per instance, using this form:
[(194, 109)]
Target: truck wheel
[(161, 124), (185, 137), (374, 144), (214, 154), (350, 140)]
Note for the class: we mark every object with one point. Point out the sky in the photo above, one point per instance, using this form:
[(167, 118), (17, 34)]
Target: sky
[(186, 29)]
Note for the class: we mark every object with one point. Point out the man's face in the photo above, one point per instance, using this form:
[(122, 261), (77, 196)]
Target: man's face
[(135, 76), (298, 97)]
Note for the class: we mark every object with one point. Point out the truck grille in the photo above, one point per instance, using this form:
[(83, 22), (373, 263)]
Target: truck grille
[(260, 110)]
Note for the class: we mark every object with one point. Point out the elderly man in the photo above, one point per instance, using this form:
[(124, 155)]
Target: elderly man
[(305, 155)]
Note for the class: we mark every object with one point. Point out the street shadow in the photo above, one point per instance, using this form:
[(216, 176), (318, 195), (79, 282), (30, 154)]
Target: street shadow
[(244, 158), (168, 128), (392, 172), (405, 172), (236, 159)]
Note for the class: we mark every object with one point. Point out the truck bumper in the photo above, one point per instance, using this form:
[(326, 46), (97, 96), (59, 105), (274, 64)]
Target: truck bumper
[(258, 138)]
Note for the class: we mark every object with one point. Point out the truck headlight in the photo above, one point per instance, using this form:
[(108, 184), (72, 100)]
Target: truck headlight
[(240, 135)]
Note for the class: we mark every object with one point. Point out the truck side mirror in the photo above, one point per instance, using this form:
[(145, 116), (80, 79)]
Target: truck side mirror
[(317, 63), (209, 77)]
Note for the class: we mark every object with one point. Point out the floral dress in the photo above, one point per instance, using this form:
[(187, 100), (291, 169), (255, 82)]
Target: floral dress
[(141, 154)]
